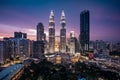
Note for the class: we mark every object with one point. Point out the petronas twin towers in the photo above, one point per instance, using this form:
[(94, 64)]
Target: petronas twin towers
[(52, 33)]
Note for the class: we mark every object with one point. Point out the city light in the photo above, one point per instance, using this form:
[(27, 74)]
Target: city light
[(75, 40)]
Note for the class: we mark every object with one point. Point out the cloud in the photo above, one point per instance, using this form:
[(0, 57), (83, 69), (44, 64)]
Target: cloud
[(8, 31)]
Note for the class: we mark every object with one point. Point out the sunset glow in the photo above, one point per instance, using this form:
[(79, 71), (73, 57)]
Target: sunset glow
[(24, 15)]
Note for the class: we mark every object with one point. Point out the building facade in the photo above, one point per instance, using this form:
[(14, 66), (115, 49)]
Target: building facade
[(51, 33), (72, 42), (2, 59), (84, 30), (20, 35), (40, 32), (63, 33), (38, 49)]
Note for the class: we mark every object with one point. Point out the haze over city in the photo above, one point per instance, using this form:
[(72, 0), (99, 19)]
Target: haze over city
[(24, 15)]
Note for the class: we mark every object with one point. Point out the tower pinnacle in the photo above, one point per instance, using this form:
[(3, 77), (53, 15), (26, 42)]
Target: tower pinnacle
[(51, 17), (51, 13), (62, 16)]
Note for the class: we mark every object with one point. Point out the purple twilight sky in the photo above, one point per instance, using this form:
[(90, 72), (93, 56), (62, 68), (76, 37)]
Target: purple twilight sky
[(24, 15)]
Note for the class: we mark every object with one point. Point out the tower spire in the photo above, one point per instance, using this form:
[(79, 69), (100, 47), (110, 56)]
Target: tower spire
[(63, 14), (51, 13), (63, 17), (51, 17)]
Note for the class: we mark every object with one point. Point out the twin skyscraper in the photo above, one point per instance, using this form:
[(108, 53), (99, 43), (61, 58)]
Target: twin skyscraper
[(83, 38), (52, 33)]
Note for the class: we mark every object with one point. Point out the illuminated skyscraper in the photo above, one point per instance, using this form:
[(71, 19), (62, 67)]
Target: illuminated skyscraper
[(84, 30), (72, 42), (51, 33), (40, 32), (63, 33)]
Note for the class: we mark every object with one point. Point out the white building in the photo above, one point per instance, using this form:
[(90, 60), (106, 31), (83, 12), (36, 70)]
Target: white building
[(63, 33), (72, 42), (51, 33)]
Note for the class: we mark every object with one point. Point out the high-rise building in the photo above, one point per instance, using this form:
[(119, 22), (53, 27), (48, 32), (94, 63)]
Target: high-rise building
[(21, 45), (9, 47), (17, 34), (38, 49), (51, 32), (46, 45), (84, 30), (77, 45), (72, 42), (20, 35), (40, 32), (63, 33), (41, 37), (25, 35), (6, 49), (2, 52)]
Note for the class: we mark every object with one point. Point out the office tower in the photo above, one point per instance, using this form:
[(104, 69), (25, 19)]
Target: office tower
[(21, 44), (46, 45), (9, 47), (77, 45), (25, 35), (20, 35), (6, 50), (23, 47), (63, 33), (38, 49), (41, 36), (17, 34), (84, 30), (18, 46), (40, 32), (51, 33), (72, 42), (2, 52)]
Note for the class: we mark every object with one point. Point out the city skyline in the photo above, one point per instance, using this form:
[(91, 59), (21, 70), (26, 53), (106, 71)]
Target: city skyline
[(25, 15)]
